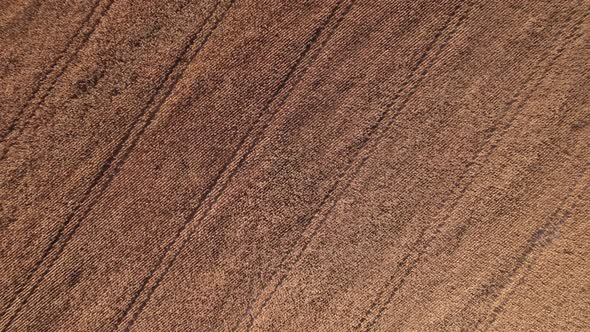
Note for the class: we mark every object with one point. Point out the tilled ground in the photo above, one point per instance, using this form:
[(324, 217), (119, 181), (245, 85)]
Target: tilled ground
[(337, 165)]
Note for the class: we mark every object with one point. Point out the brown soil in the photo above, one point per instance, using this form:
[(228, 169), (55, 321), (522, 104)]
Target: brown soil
[(337, 165)]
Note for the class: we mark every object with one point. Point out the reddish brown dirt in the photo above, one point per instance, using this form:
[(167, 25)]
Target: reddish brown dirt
[(336, 165)]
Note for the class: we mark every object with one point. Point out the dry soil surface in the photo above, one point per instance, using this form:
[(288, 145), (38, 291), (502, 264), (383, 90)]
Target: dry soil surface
[(293, 165)]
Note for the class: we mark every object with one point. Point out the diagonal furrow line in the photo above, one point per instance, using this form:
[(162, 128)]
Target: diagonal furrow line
[(425, 243), (541, 238), (248, 311), (47, 72), (185, 232), (86, 36), (328, 37), (112, 164), (378, 129)]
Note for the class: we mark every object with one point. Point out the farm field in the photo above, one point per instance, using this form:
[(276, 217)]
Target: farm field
[(334, 165)]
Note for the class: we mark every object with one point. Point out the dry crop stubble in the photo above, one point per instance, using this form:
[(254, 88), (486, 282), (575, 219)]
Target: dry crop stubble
[(237, 165)]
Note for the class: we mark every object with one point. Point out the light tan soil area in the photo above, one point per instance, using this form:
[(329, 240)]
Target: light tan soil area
[(334, 165)]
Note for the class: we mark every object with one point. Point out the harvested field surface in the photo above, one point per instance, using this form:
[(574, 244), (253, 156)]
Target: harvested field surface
[(293, 165)]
